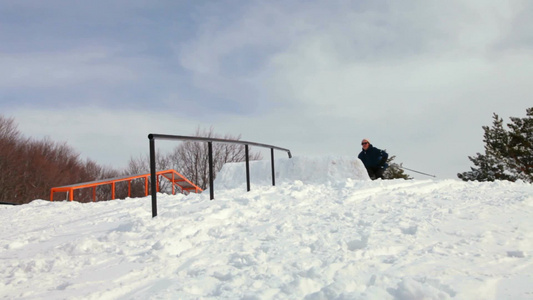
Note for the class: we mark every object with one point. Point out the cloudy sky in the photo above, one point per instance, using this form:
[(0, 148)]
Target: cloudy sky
[(418, 78)]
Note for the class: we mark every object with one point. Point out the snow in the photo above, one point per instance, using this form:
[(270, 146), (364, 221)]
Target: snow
[(307, 169), (325, 231)]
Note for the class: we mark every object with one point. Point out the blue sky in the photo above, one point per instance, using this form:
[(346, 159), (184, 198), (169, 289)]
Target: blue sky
[(418, 79)]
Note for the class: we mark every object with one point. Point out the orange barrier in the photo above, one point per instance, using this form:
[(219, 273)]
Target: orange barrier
[(174, 177)]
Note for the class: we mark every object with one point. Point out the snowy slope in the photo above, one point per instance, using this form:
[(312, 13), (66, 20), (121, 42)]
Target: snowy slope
[(329, 237)]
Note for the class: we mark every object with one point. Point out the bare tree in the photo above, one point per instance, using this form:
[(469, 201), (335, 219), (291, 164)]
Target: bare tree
[(30, 168), (141, 165), (191, 158), (10, 139)]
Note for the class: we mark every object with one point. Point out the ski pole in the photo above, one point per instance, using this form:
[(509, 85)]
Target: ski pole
[(401, 166)]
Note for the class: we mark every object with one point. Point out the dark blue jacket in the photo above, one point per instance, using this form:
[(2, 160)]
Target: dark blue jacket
[(373, 157)]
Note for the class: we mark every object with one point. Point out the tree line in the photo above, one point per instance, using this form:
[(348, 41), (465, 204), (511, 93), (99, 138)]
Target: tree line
[(29, 168)]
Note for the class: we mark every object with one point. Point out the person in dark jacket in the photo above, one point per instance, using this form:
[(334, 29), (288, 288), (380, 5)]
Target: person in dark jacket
[(374, 159)]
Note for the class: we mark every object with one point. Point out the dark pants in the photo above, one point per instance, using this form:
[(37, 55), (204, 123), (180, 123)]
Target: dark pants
[(375, 172)]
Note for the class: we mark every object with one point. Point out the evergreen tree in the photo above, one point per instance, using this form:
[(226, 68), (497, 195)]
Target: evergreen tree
[(395, 171), (508, 153), (488, 169), (520, 150)]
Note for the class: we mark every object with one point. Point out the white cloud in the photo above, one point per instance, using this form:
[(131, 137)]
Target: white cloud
[(30, 70), (419, 79), (110, 137), (429, 73)]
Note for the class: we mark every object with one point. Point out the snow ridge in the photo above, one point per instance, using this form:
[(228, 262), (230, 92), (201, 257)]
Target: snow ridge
[(307, 169)]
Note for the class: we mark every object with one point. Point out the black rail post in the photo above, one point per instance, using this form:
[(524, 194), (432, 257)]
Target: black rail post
[(153, 176), (247, 168), (211, 185), (153, 136), (272, 162)]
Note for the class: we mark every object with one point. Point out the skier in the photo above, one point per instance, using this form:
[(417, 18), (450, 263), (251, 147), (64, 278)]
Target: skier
[(374, 159)]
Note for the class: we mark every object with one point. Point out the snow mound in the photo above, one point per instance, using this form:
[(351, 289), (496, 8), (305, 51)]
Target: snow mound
[(307, 169)]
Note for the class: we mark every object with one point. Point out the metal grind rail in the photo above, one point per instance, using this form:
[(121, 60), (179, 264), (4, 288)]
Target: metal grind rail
[(152, 137), (173, 176)]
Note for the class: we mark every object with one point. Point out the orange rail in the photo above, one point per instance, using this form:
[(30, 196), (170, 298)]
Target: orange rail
[(174, 177)]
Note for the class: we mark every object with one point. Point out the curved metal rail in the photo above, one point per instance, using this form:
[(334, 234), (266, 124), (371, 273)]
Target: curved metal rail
[(153, 136)]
